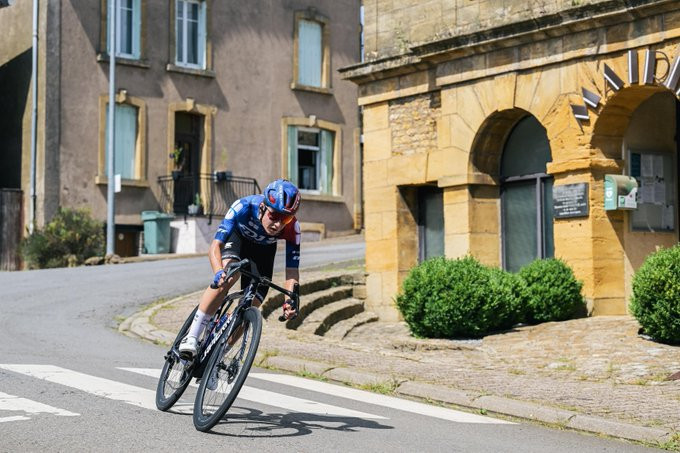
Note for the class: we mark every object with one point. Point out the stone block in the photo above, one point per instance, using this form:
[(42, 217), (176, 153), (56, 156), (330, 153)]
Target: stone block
[(458, 194), (375, 174), (503, 60), (485, 217), (470, 110), (609, 306), (377, 145), (407, 169), (390, 286), (462, 134), (456, 218), (373, 290), (373, 223), (443, 132), (438, 165), (376, 117), (380, 199), (382, 255), (486, 248), (456, 245), (449, 100), (547, 94)]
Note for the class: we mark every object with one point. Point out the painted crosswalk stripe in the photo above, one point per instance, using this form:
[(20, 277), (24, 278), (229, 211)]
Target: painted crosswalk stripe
[(106, 388), (274, 399), (17, 404), (374, 398)]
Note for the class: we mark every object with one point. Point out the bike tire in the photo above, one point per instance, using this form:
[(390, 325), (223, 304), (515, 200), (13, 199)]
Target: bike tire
[(175, 375), (229, 366)]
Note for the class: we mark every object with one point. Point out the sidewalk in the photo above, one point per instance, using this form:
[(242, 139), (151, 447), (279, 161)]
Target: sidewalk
[(592, 374)]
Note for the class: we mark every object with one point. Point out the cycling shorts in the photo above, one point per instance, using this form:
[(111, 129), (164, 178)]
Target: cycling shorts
[(237, 248)]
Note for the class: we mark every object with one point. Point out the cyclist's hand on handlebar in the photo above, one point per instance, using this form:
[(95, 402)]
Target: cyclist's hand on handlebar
[(218, 280), (289, 310)]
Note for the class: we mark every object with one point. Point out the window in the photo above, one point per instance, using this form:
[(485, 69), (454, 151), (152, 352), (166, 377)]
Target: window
[(125, 141), (128, 29), (430, 223), (526, 196), (310, 158), (129, 139), (190, 33), (311, 54)]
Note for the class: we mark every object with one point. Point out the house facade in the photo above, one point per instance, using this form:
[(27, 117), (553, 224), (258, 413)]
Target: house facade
[(207, 93), (519, 130)]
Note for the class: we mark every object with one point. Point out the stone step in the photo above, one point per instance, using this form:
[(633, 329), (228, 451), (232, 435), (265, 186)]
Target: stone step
[(315, 301), (341, 329), (275, 299), (322, 319)]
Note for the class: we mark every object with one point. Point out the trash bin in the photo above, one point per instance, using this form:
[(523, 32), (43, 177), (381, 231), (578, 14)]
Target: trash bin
[(156, 231)]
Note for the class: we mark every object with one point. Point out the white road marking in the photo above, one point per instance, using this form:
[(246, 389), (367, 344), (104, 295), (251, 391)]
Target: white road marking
[(278, 400), (15, 403), (374, 398), (106, 388), (13, 419)]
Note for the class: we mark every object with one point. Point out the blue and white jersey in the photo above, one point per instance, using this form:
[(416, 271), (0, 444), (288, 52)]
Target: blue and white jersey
[(244, 216)]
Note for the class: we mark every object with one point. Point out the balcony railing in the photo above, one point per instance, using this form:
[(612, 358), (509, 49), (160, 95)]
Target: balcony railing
[(208, 194)]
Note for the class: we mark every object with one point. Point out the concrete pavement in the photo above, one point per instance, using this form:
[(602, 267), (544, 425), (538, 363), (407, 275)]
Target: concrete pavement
[(593, 374)]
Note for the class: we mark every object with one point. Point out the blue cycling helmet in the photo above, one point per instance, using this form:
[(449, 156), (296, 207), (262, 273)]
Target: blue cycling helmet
[(282, 196)]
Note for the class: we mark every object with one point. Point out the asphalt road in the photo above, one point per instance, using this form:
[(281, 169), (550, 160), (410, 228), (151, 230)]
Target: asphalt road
[(70, 382)]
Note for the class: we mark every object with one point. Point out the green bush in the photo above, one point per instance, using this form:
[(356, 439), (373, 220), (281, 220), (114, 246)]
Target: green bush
[(445, 298), (656, 295), (69, 239), (551, 292)]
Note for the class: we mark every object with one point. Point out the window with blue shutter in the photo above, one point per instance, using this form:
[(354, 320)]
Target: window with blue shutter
[(310, 159), (310, 53), (125, 141)]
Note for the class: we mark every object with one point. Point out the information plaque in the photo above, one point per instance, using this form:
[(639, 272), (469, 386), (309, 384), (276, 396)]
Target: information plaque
[(570, 200)]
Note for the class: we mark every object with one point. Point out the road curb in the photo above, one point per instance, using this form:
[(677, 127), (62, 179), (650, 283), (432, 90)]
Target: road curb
[(139, 326)]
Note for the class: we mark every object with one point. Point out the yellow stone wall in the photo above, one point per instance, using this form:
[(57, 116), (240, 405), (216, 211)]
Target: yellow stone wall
[(481, 97)]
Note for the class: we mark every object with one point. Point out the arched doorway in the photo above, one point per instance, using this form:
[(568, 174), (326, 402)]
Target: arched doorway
[(526, 195), (650, 146)]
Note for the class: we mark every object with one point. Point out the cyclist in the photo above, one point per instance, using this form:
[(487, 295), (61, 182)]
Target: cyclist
[(250, 230)]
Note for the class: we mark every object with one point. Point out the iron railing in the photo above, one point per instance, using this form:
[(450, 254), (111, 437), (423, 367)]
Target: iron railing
[(208, 194)]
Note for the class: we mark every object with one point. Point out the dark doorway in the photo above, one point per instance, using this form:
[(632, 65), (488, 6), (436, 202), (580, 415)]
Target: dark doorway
[(430, 222), (526, 196), (188, 140)]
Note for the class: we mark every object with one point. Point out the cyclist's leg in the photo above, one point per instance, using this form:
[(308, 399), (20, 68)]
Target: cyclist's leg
[(211, 298), (263, 257)]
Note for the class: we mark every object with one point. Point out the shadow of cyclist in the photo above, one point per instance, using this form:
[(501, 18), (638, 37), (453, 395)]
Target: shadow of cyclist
[(245, 422)]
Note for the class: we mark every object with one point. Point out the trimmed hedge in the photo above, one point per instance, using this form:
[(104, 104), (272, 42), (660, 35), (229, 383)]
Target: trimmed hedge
[(551, 292), (655, 302), (69, 239), (445, 298)]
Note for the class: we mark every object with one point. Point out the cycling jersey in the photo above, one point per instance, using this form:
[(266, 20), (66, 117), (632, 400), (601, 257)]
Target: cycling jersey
[(243, 216)]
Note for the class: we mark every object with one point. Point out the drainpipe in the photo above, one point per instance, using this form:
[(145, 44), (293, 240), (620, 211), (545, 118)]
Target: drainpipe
[(34, 119), (110, 194)]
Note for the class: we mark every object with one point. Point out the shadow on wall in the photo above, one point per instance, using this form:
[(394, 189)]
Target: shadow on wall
[(15, 81)]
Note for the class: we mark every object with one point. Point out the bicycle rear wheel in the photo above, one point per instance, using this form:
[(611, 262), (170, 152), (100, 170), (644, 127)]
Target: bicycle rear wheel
[(176, 373), (226, 372)]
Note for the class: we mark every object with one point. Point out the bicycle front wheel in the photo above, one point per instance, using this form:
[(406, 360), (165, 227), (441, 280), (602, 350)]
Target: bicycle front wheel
[(176, 373), (226, 371)]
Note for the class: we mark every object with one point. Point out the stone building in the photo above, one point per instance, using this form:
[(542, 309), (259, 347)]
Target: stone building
[(491, 128), (206, 90)]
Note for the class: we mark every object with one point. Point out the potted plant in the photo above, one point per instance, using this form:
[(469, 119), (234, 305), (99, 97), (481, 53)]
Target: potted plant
[(195, 208), (177, 157)]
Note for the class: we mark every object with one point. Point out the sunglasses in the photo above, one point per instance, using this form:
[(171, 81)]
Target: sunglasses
[(279, 217)]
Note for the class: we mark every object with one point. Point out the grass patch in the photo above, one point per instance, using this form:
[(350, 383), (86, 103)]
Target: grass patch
[(516, 371), (384, 388), (309, 375), (264, 355)]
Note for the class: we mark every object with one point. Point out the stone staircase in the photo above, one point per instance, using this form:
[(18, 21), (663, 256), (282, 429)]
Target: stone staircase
[(330, 306)]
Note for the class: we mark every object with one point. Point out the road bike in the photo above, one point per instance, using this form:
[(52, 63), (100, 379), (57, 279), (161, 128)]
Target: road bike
[(225, 353)]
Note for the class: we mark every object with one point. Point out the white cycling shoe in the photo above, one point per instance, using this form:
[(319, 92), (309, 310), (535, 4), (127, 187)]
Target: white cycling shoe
[(188, 347)]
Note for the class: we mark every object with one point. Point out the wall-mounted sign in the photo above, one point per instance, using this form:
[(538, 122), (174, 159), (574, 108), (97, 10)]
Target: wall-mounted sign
[(570, 200)]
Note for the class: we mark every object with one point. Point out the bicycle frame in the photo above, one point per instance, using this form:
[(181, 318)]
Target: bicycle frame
[(247, 295)]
